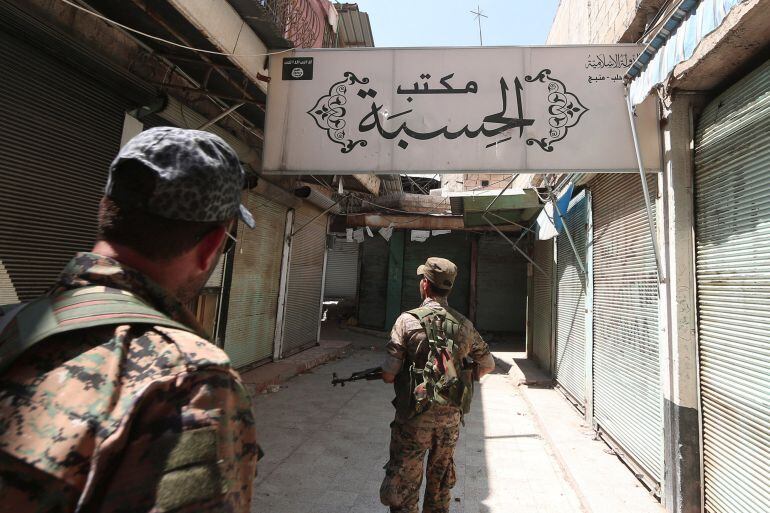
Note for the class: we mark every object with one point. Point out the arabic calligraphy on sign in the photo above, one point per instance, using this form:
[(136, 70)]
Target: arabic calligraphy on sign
[(331, 112), (610, 60)]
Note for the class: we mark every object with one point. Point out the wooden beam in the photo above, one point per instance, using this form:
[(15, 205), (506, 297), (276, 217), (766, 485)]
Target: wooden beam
[(369, 182), (416, 222)]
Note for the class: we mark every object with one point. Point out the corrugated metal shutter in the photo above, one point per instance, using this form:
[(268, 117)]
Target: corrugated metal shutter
[(215, 280), (542, 305), (732, 203), (342, 270), (455, 246), (58, 134), (627, 394), (501, 286), (303, 296), (373, 289), (253, 303), (570, 350)]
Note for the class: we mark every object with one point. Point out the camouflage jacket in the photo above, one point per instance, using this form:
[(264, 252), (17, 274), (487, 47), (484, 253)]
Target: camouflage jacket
[(402, 349), (125, 419)]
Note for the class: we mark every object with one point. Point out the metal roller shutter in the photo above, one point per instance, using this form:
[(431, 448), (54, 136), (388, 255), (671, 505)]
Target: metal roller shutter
[(215, 280), (570, 351), (58, 134), (253, 303), (454, 246), (373, 288), (306, 268), (627, 394), (342, 270), (542, 309), (732, 203), (501, 286)]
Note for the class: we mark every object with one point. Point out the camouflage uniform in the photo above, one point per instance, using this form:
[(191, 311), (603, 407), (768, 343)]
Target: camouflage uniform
[(115, 419), (436, 431)]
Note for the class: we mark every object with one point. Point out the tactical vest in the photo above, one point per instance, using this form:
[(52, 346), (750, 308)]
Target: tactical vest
[(445, 379), (24, 325)]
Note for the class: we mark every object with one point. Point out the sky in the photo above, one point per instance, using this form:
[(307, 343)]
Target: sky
[(450, 22)]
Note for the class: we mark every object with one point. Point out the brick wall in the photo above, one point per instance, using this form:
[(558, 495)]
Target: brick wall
[(601, 21), (492, 181)]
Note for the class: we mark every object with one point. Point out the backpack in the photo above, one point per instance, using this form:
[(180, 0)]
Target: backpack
[(22, 326), (446, 379)]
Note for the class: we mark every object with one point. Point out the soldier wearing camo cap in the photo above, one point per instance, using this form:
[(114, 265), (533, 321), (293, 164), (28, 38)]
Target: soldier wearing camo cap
[(112, 398), (428, 362)]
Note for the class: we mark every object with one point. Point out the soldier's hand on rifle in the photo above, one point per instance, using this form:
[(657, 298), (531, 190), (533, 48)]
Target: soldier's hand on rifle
[(387, 377)]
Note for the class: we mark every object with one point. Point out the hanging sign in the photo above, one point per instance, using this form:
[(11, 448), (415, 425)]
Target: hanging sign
[(454, 110)]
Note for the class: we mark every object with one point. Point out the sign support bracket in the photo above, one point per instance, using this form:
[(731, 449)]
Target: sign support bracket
[(566, 228), (650, 220)]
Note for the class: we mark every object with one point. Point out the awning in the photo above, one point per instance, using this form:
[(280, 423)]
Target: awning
[(512, 207), (675, 42)]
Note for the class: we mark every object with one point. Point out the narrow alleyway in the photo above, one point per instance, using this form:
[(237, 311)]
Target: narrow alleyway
[(325, 447)]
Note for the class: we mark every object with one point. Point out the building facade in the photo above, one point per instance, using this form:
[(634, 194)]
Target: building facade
[(665, 350), (76, 88)]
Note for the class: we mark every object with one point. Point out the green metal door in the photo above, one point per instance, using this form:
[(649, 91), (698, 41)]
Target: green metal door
[(501, 286), (454, 246), (373, 288)]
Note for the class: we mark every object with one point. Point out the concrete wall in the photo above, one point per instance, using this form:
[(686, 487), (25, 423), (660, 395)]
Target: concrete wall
[(601, 21)]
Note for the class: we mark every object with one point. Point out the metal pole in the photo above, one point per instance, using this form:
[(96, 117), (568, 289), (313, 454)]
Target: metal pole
[(515, 246), (650, 219), (500, 194), (508, 221), (224, 113), (566, 229), (316, 217)]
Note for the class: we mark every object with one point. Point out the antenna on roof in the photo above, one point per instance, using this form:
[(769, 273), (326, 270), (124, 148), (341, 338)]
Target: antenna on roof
[(478, 15)]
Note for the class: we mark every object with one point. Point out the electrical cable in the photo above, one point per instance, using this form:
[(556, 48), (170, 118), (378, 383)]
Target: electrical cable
[(166, 41)]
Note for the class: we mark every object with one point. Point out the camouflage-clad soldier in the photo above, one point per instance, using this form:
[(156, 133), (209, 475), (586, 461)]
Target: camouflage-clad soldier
[(436, 430), (119, 403)]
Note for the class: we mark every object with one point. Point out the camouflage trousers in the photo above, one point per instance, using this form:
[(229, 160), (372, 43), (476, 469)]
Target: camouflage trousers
[(403, 473)]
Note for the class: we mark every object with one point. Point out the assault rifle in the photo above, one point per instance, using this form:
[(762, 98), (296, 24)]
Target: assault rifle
[(368, 375)]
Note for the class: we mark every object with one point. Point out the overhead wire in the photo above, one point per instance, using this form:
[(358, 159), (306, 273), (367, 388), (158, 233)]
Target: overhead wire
[(166, 41)]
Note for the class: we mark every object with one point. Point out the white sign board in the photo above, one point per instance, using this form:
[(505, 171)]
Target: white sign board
[(448, 110)]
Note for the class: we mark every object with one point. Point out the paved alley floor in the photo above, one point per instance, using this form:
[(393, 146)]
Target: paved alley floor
[(325, 447)]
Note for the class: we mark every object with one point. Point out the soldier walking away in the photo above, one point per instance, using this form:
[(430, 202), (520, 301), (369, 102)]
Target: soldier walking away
[(434, 356), (111, 397)]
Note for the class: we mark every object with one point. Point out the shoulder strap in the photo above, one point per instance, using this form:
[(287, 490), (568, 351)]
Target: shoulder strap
[(422, 312), (73, 310)]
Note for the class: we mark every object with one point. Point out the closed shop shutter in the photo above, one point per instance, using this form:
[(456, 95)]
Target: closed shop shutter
[(542, 304), (253, 302), (373, 288), (59, 131), (732, 203), (342, 270), (570, 351), (215, 280), (306, 267), (628, 401), (454, 246), (501, 286)]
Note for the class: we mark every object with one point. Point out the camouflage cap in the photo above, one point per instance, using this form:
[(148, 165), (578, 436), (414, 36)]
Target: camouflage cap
[(439, 271), (196, 176)]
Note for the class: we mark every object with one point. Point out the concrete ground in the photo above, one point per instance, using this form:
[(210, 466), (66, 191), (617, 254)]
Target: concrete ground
[(325, 446)]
